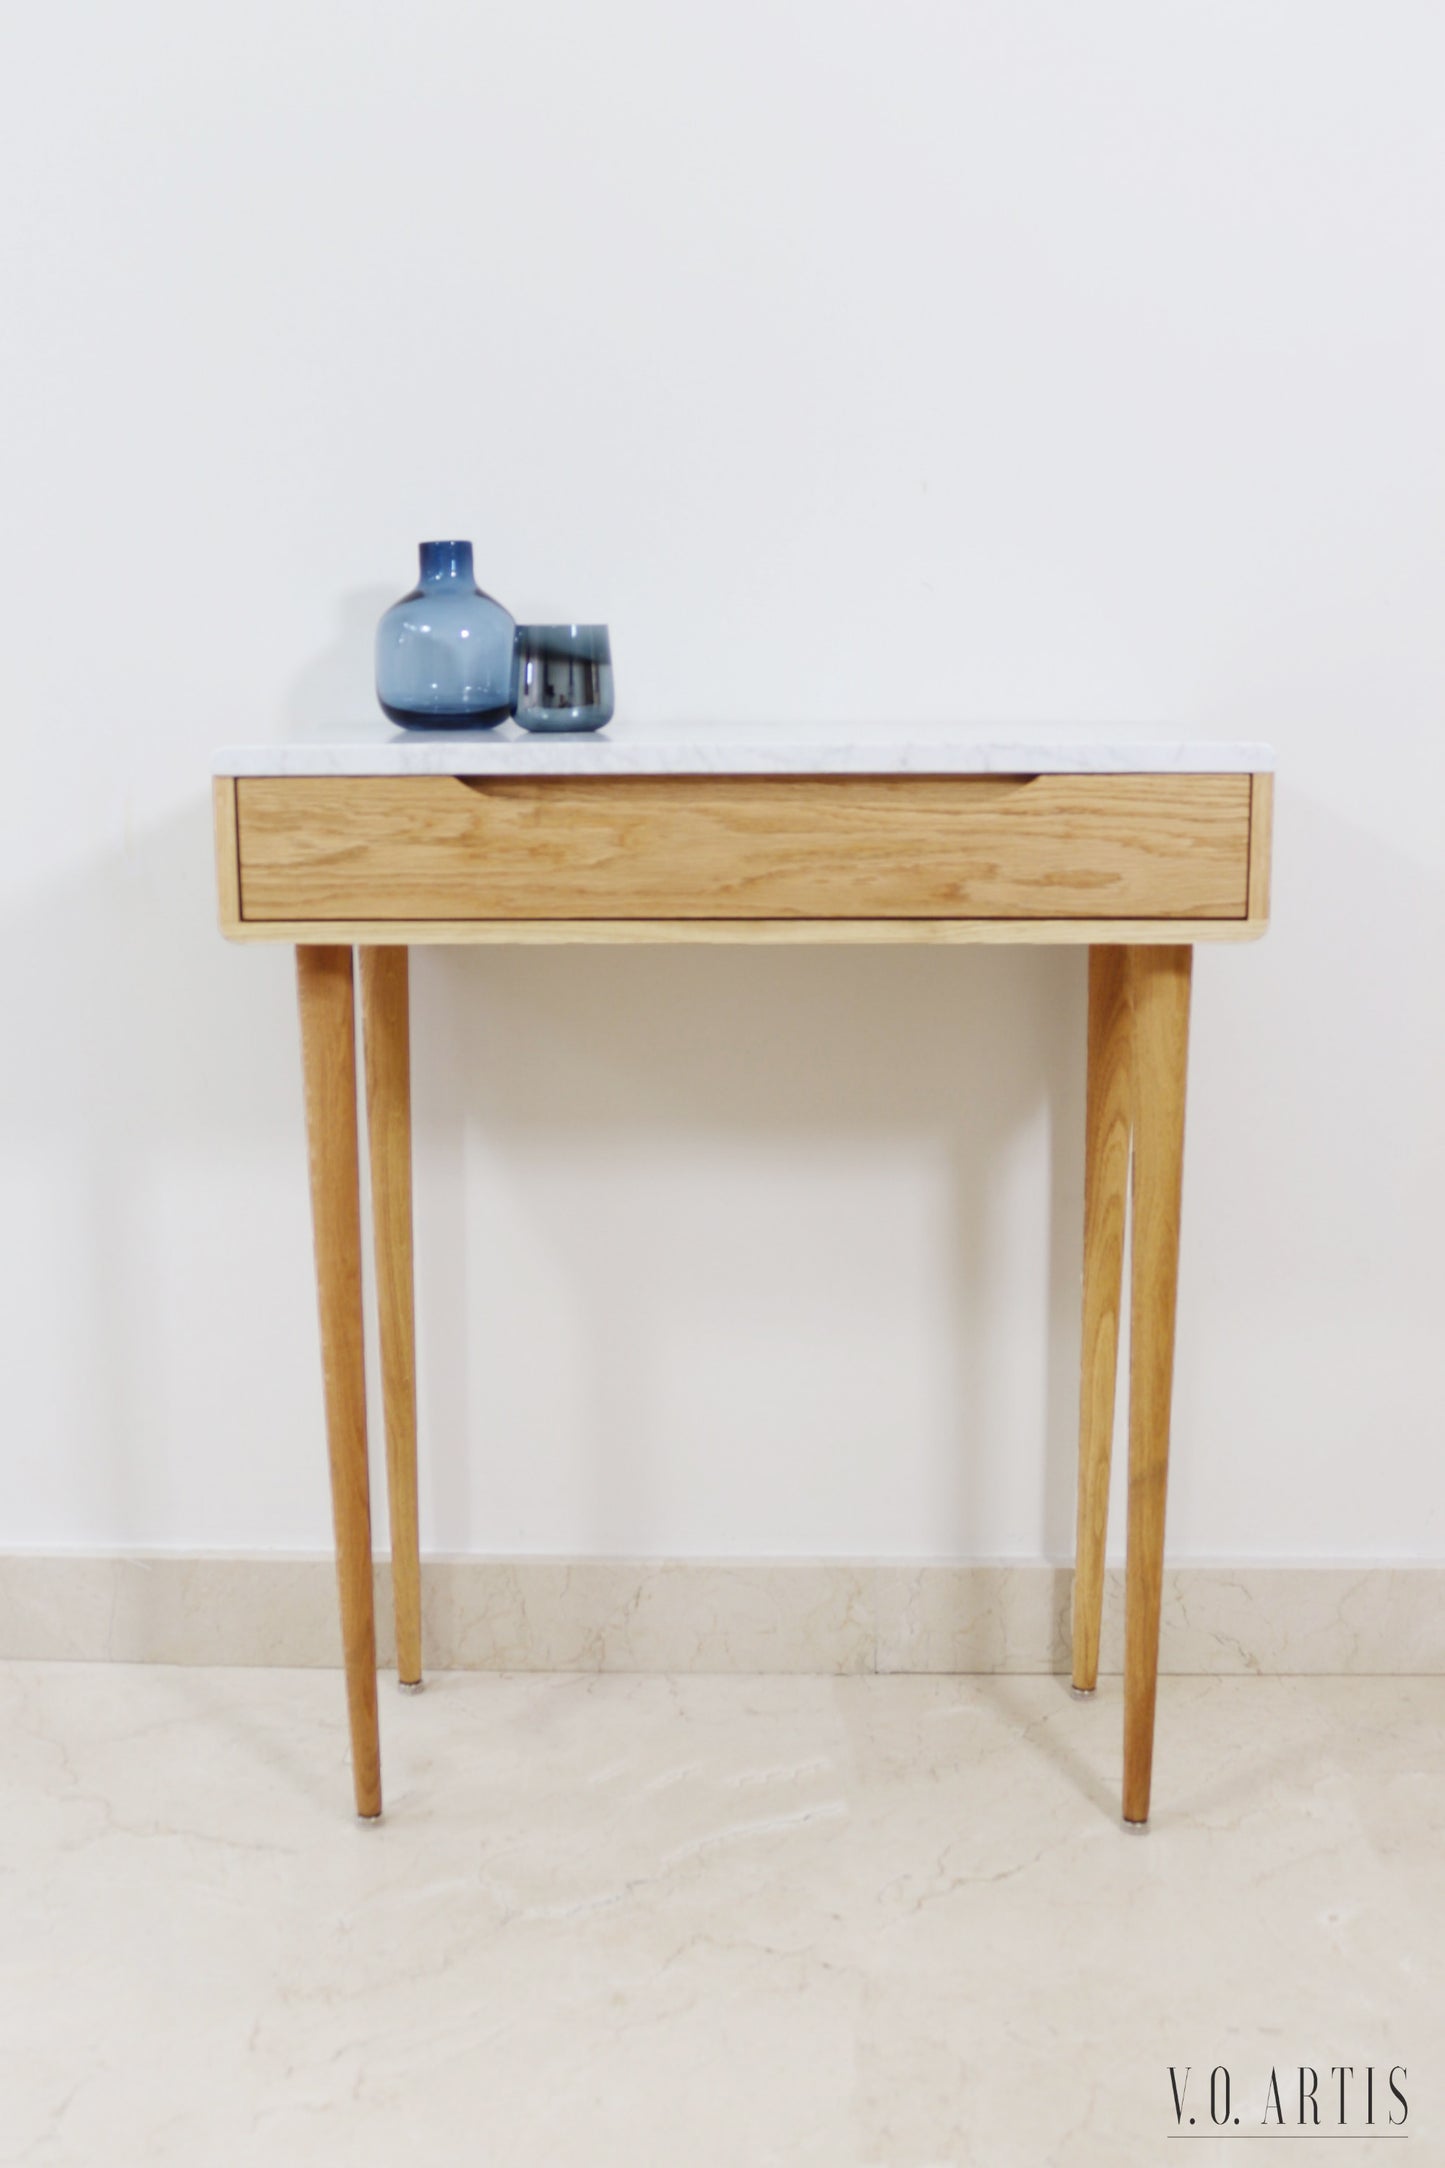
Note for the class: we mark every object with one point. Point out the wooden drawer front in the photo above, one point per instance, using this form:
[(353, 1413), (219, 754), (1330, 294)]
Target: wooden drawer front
[(741, 847)]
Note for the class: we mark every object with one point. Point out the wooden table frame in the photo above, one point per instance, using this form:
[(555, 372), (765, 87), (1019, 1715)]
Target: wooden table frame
[(340, 871)]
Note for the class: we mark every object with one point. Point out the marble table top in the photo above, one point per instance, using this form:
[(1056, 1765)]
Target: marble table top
[(373, 746)]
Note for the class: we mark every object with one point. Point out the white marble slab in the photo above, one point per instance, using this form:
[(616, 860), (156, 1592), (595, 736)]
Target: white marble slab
[(800, 1920), (832, 1616), (376, 747)]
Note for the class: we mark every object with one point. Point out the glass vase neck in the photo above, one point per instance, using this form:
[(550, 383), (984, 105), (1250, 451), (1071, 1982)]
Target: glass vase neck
[(446, 561)]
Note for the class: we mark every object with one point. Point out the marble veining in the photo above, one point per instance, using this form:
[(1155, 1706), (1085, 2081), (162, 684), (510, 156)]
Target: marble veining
[(833, 1617), (738, 1922), (374, 747)]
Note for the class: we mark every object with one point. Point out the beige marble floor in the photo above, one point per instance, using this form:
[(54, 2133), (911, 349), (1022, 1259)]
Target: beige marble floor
[(705, 1921)]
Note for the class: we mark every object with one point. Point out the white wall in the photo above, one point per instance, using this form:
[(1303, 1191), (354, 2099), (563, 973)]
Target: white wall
[(999, 361)]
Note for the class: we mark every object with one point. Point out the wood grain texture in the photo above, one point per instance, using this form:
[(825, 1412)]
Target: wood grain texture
[(743, 932), (1160, 984), (386, 1038), (228, 863), (1107, 1120), (1261, 847), (318, 848), (328, 1050)]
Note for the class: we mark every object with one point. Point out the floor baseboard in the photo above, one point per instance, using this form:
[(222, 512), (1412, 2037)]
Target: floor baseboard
[(694, 1615)]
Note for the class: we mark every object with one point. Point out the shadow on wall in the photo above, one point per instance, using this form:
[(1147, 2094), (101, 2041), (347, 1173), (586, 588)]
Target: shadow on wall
[(150, 1041), (644, 1058), (138, 1038), (139, 1055), (338, 684)]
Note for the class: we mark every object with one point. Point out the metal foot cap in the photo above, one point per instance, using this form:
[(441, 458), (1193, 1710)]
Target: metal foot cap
[(1135, 1829), (1083, 1693), (411, 1686)]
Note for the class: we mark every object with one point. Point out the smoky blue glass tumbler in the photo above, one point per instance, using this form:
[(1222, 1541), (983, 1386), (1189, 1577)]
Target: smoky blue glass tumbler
[(563, 678), (444, 652)]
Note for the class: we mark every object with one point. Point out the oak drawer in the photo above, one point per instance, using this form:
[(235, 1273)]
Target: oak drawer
[(350, 848)]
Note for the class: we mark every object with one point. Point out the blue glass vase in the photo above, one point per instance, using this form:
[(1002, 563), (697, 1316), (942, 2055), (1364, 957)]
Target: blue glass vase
[(444, 652)]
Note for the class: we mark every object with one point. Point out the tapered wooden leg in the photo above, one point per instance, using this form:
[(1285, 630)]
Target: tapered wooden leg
[(328, 1055), (1106, 1184), (1159, 979), (384, 991)]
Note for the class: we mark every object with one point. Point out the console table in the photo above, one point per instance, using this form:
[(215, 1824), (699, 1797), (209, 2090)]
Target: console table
[(357, 844)]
